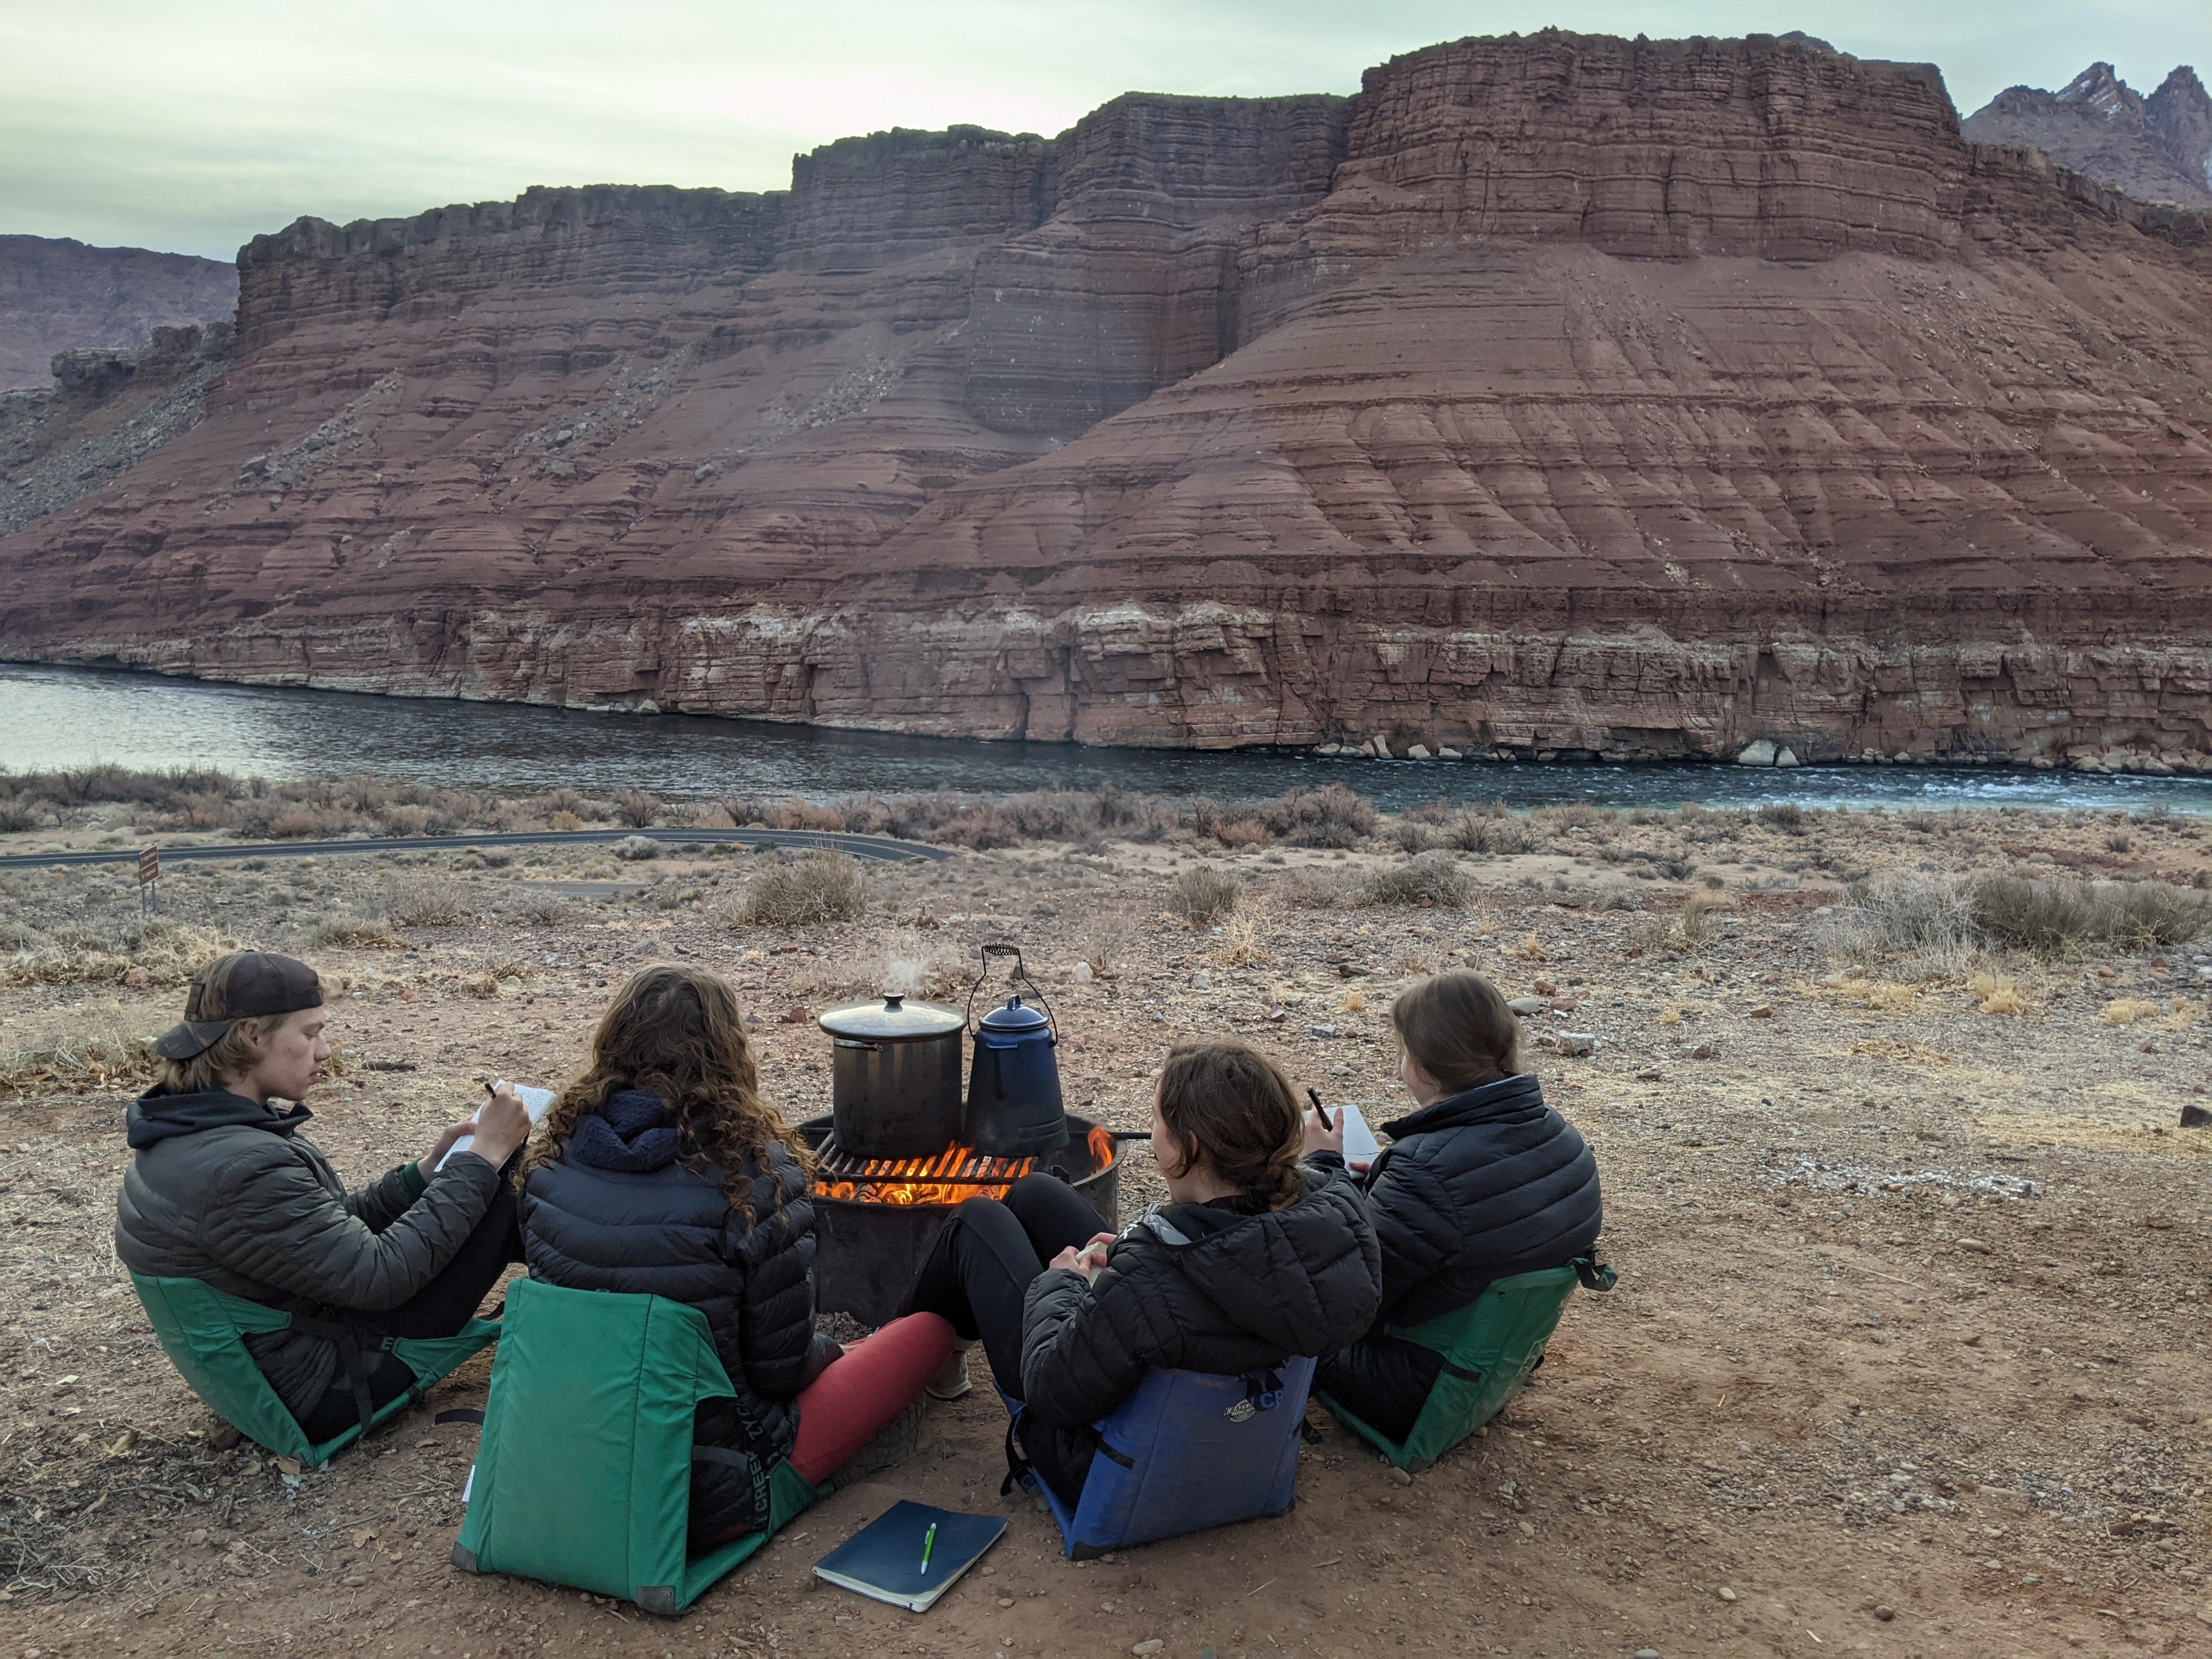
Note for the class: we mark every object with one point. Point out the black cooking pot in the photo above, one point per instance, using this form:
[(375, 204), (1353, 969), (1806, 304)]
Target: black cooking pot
[(894, 1078)]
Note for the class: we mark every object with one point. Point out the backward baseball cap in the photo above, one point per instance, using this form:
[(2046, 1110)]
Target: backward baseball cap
[(244, 985)]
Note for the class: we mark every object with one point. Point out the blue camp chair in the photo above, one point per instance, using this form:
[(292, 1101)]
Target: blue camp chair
[(1186, 1451)]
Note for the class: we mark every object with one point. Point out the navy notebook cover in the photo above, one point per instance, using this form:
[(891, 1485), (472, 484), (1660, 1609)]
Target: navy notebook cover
[(884, 1558)]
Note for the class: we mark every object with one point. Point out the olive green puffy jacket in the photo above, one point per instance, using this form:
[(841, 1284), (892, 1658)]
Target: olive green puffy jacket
[(226, 1191)]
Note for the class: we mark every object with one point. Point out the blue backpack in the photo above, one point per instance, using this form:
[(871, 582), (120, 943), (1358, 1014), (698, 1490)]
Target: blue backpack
[(1186, 1451)]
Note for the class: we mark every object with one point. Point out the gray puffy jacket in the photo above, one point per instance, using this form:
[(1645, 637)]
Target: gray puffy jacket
[(229, 1192)]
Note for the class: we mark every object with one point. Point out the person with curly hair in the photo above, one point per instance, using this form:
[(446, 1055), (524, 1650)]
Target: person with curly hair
[(659, 1170)]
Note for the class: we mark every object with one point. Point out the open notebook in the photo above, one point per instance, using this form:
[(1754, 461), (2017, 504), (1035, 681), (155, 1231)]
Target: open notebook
[(536, 1102), (897, 1558)]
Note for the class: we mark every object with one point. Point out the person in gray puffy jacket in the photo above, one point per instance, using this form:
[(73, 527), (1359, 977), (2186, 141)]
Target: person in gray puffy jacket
[(223, 1188)]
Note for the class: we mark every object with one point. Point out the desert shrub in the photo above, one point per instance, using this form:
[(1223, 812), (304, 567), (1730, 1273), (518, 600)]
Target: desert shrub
[(566, 820), (1331, 816), (351, 933), (2049, 921), (1316, 889), (1786, 816), (818, 887), (917, 964), (425, 898), (632, 848), (545, 910), (1408, 837), (1430, 879), (1903, 914), (556, 801), (19, 812), (1690, 929), (1202, 896), (637, 808)]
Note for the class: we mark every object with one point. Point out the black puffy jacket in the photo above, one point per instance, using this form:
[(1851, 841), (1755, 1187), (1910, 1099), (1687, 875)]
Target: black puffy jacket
[(618, 1213), (1476, 1187), (1194, 1288)]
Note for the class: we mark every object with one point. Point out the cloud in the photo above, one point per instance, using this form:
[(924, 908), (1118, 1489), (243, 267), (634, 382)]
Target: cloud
[(195, 127)]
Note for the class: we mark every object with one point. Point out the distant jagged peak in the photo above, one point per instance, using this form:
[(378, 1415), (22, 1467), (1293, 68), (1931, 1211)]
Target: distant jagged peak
[(2181, 83), (2100, 88)]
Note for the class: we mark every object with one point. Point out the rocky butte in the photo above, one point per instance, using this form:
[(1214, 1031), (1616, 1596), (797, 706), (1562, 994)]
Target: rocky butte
[(1553, 395)]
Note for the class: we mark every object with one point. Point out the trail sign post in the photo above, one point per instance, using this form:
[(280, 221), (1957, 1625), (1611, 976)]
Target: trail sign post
[(149, 881)]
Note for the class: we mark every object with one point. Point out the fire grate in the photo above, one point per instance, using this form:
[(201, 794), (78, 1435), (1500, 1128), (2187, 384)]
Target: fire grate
[(956, 1165)]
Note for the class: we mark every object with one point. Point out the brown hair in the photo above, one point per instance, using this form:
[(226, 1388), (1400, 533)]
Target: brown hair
[(676, 1031), (229, 1055), (1459, 1030), (1227, 1102)]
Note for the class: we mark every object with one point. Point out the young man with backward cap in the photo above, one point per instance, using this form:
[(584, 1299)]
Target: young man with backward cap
[(225, 1189)]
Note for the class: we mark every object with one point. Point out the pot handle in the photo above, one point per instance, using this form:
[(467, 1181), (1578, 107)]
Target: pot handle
[(854, 1043), (1020, 977)]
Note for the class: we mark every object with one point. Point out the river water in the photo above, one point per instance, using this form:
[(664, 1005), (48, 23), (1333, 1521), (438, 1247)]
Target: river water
[(57, 717)]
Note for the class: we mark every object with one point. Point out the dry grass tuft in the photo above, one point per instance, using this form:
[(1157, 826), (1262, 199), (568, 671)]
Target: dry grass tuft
[(168, 951), (1431, 879), (2126, 1011), (352, 934), (425, 898), (1905, 914), (1202, 896), (1997, 994), (1240, 944), (821, 887), (98, 1050)]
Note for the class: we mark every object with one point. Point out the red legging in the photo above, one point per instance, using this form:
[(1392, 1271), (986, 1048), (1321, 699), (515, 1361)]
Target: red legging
[(874, 1380)]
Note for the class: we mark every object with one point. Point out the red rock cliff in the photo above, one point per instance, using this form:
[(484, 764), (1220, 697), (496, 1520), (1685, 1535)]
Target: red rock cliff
[(1555, 394)]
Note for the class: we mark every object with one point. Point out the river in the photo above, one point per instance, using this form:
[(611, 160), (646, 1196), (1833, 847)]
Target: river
[(53, 718)]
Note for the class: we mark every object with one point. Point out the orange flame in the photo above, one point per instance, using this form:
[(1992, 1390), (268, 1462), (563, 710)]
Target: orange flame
[(950, 1177)]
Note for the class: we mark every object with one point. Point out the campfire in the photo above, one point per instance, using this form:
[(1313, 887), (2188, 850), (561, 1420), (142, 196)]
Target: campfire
[(877, 1219), (951, 1176)]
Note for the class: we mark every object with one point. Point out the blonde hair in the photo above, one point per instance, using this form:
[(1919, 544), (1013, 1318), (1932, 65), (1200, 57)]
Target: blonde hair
[(230, 1055)]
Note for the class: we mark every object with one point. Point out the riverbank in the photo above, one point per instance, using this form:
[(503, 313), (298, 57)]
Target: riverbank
[(1913, 1249), (74, 720)]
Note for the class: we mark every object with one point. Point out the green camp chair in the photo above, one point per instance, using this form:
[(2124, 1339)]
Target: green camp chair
[(1489, 1348), (583, 1475), (202, 1330)]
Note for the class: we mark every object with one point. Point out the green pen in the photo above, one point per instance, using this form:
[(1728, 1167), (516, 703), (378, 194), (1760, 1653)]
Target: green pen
[(928, 1543)]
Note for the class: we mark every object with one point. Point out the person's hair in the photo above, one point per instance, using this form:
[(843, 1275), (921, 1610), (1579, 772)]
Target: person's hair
[(1459, 1029), (1227, 1102), (230, 1056), (676, 1031)]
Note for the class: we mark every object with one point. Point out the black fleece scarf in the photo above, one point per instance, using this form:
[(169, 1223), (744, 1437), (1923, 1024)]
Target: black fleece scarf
[(631, 1132)]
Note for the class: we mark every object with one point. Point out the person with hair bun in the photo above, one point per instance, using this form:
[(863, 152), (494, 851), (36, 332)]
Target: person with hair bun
[(1253, 1258), (1480, 1181)]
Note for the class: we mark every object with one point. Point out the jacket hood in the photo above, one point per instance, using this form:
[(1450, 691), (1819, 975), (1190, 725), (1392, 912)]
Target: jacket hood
[(632, 1131), (158, 1115), (1508, 1098), (1307, 1278)]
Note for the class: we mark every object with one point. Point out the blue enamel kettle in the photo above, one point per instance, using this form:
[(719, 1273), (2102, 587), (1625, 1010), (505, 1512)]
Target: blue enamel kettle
[(1014, 1108)]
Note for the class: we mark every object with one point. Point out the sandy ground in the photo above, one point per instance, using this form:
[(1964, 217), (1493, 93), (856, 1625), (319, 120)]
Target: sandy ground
[(1907, 1357)]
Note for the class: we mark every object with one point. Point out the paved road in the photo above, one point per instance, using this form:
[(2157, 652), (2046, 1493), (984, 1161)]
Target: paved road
[(884, 848)]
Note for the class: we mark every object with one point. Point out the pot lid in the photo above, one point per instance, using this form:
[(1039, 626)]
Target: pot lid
[(893, 1019), (1016, 1016)]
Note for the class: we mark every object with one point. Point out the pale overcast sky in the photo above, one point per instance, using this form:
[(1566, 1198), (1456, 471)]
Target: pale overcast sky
[(192, 124)]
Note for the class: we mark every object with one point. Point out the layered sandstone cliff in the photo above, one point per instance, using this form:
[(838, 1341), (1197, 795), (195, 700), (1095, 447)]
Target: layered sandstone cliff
[(1555, 394), (57, 295)]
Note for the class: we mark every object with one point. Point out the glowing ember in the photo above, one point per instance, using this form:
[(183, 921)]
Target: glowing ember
[(952, 1176)]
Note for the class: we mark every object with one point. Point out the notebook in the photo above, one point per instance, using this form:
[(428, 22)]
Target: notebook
[(1360, 1140), (884, 1558), (536, 1102)]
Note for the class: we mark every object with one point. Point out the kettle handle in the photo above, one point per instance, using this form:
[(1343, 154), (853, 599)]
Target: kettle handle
[(1020, 977)]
